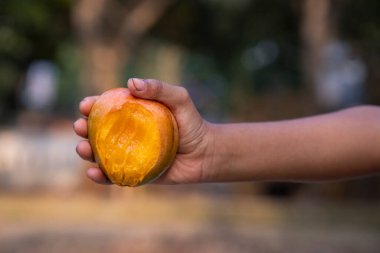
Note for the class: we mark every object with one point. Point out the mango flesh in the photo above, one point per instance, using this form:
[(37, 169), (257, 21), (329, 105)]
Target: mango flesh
[(133, 140)]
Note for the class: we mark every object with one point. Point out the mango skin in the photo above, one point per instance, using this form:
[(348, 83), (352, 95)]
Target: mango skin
[(133, 140)]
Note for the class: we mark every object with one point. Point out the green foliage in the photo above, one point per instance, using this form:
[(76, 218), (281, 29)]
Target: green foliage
[(221, 38), (29, 30), (69, 61), (224, 30), (359, 21)]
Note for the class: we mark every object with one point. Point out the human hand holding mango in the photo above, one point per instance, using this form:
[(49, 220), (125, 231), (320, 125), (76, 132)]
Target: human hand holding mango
[(192, 134)]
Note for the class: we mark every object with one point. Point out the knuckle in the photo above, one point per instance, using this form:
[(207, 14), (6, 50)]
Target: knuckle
[(155, 88), (183, 95)]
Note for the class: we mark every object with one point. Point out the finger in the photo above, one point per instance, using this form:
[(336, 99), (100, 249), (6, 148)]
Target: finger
[(96, 175), (86, 104), (84, 150), (80, 127), (172, 96)]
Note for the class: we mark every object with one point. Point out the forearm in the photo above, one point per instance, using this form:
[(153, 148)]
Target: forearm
[(332, 146)]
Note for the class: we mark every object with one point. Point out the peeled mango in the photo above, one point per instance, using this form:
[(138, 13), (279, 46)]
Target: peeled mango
[(133, 140)]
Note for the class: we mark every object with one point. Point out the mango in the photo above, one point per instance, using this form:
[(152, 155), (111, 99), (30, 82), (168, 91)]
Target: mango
[(133, 140)]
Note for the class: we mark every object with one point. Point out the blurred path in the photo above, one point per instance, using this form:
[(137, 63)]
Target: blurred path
[(145, 222)]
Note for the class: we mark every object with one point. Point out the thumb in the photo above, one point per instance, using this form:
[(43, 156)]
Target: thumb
[(174, 97)]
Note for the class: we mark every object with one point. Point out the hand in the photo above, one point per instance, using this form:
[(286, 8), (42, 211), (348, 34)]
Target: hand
[(195, 146)]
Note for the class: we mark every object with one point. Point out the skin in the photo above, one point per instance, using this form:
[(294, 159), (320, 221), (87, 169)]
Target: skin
[(334, 146)]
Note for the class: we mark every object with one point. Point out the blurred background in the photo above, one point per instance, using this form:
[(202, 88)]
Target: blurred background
[(241, 60)]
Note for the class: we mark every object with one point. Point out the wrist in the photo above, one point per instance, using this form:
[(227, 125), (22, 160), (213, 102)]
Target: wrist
[(212, 161), (231, 155), (208, 152)]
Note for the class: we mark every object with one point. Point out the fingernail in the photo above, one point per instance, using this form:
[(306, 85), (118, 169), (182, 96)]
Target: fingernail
[(139, 84)]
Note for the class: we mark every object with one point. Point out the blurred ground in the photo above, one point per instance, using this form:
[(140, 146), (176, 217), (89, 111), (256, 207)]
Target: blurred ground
[(140, 220)]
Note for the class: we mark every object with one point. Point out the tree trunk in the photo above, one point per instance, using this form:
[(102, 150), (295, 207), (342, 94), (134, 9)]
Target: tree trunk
[(102, 67), (315, 33), (107, 32)]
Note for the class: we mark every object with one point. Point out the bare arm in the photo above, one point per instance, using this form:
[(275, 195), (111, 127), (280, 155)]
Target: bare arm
[(333, 146)]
